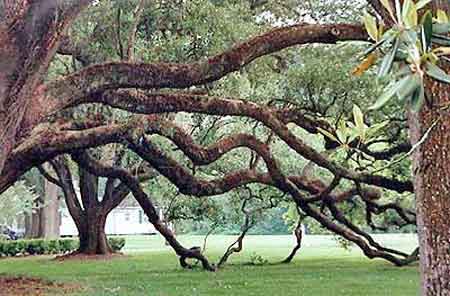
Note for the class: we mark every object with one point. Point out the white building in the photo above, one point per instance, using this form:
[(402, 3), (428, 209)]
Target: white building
[(121, 220)]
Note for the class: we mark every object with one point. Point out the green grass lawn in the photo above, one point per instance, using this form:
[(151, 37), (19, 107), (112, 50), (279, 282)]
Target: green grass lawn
[(321, 268)]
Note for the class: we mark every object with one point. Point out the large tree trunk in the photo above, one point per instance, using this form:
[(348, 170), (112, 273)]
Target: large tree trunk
[(91, 227), (93, 240), (432, 189), (432, 186)]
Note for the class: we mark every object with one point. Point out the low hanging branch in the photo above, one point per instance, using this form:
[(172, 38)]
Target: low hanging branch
[(249, 223), (298, 233)]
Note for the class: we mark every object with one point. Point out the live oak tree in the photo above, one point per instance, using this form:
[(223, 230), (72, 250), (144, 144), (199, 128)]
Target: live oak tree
[(48, 135), (35, 130)]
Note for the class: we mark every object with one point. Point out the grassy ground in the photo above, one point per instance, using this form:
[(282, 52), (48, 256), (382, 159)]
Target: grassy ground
[(321, 268)]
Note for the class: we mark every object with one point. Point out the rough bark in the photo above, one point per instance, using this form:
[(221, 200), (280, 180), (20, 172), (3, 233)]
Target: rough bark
[(30, 33), (432, 189), (432, 185), (92, 236)]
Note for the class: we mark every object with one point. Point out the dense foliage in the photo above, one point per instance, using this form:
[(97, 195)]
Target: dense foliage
[(25, 247)]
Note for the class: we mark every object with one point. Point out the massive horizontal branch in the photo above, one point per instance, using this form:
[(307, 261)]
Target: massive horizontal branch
[(200, 155), (274, 119), (47, 142), (98, 78)]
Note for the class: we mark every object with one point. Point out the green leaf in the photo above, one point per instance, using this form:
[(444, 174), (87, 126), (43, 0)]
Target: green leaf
[(387, 5), (341, 136), (441, 16), (374, 129), (409, 14), (371, 26), (418, 98), (437, 73), (408, 86), (354, 133), (342, 132), (422, 3), (387, 37), (327, 134), (388, 93), (443, 28), (388, 60), (358, 117), (398, 9), (427, 30)]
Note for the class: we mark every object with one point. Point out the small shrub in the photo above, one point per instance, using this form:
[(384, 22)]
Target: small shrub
[(55, 246), (343, 243), (116, 243), (36, 246), (256, 259), (67, 245)]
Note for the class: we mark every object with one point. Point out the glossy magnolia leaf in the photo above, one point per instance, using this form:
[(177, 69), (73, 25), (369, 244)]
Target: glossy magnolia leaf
[(388, 60), (327, 134), (409, 14), (408, 86), (441, 16), (427, 30), (374, 129), (342, 132), (436, 73), (371, 26), (418, 98), (387, 5), (358, 117), (422, 3), (388, 93)]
